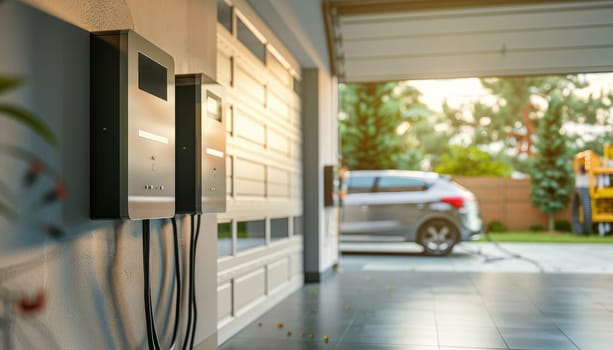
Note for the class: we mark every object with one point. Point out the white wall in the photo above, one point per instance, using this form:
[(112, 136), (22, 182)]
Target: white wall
[(185, 29), (319, 123), (93, 277), (328, 154)]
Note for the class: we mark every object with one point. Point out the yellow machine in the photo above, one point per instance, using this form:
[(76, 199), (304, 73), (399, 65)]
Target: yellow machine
[(593, 199)]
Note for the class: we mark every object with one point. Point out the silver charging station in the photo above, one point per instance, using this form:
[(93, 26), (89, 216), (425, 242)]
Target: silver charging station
[(132, 127), (201, 145)]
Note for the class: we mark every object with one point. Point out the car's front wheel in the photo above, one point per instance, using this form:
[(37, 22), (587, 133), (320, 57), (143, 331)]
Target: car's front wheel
[(438, 237)]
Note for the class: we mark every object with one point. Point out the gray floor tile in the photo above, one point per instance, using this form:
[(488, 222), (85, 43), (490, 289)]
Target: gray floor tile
[(303, 330), (393, 335), (524, 322), (471, 337), (394, 310), (591, 339), (357, 346), (266, 344), (463, 348), (586, 325), (536, 339), (241, 344), (447, 328), (465, 320)]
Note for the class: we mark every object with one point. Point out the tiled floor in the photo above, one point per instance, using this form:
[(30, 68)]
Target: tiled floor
[(416, 310)]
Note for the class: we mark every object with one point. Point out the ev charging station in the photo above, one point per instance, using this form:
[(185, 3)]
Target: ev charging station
[(132, 128), (200, 165), (133, 143), (201, 145), (136, 170)]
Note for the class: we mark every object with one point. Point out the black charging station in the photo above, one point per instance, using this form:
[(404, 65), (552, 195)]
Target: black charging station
[(201, 145), (132, 128), (200, 166), (133, 153), (331, 186)]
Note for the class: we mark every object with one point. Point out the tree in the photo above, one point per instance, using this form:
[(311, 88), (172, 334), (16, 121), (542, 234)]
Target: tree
[(471, 161), (595, 145), (511, 119), (551, 172), (430, 141), (371, 117)]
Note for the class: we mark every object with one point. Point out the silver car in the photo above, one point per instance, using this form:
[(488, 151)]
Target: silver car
[(422, 207)]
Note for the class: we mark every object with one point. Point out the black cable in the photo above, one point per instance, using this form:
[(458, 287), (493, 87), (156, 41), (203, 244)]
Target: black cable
[(156, 340), (511, 255), (508, 254), (187, 341), (193, 273), (152, 338), (178, 281), (197, 230), (146, 284)]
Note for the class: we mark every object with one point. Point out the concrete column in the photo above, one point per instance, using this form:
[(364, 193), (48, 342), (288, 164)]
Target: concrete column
[(319, 148)]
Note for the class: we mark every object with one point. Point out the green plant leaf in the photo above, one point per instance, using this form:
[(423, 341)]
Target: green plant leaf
[(8, 83), (29, 120)]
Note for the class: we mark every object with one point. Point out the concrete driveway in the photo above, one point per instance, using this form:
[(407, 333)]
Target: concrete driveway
[(481, 257)]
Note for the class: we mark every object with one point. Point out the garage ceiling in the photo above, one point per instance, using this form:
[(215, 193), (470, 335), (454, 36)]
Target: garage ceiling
[(381, 40)]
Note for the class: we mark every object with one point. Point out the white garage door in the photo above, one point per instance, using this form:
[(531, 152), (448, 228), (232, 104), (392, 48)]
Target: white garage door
[(537, 38)]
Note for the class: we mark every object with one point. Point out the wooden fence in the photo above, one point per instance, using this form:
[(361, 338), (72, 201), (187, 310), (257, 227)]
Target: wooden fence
[(508, 201)]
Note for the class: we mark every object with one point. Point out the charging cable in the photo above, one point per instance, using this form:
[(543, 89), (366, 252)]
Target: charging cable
[(190, 284), (192, 318), (152, 337), (192, 313), (510, 254), (193, 276), (507, 254), (178, 283)]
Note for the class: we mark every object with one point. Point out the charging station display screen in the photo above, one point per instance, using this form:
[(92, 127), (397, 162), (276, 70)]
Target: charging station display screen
[(213, 107), (152, 77)]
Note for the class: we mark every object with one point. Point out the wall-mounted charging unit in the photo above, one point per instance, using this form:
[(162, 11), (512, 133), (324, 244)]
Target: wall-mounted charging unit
[(331, 186), (132, 127), (201, 145)]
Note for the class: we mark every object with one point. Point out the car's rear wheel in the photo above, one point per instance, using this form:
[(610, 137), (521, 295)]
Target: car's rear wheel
[(438, 237)]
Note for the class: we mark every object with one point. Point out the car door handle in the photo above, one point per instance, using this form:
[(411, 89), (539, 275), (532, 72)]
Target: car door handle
[(364, 207)]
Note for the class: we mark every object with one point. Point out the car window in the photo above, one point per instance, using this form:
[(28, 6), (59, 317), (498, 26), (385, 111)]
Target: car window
[(400, 184), (360, 184)]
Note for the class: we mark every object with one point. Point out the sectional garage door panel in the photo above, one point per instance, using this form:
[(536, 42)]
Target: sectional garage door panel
[(567, 37), (490, 64), (264, 156)]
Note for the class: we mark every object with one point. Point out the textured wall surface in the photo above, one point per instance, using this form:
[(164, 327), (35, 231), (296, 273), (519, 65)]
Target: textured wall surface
[(92, 276), (186, 29)]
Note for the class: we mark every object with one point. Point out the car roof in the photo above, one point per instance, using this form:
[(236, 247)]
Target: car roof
[(426, 175)]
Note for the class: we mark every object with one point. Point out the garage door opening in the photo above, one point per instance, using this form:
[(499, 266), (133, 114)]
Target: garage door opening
[(503, 139)]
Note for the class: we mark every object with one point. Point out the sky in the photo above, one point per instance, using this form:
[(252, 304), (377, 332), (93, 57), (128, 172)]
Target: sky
[(460, 91)]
